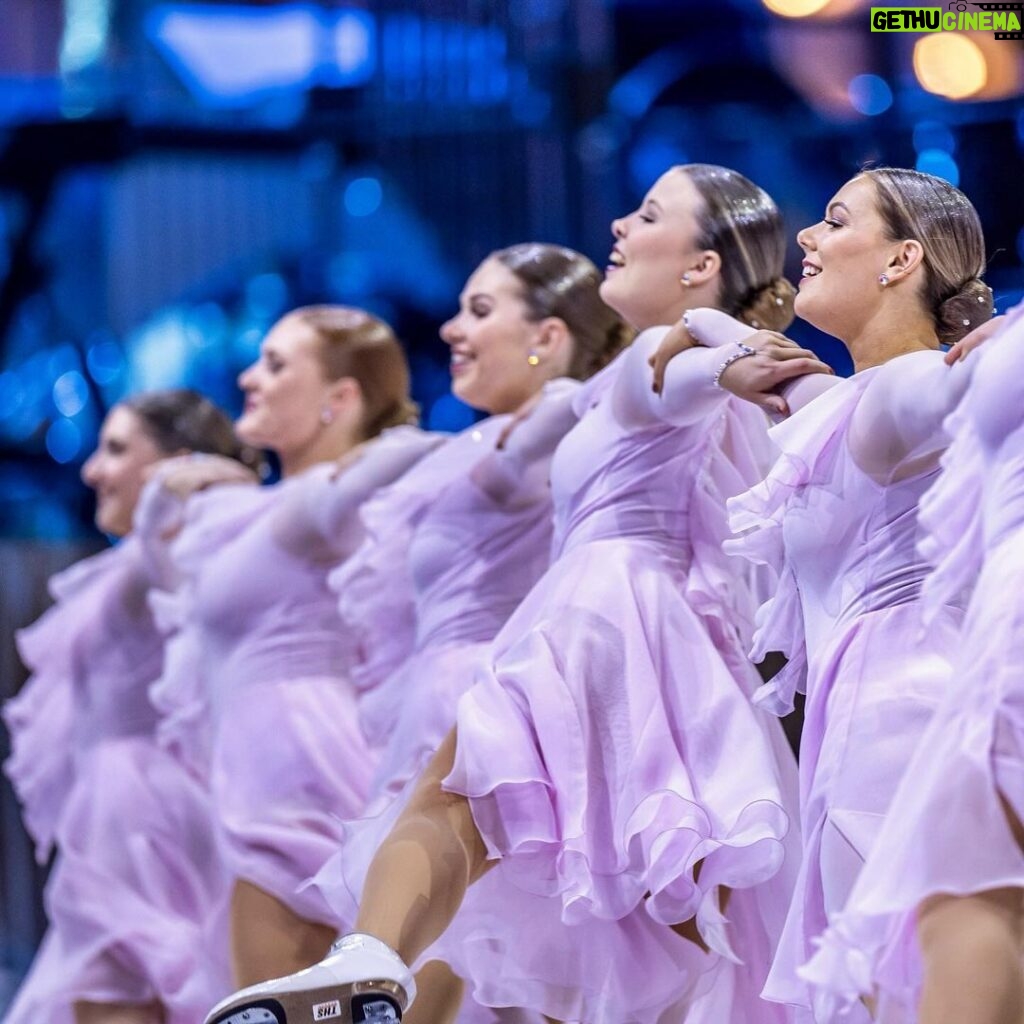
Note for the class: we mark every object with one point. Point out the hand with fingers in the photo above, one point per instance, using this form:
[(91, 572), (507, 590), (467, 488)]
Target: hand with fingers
[(762, 364), (184, 477), (966, 345), (677, 340)]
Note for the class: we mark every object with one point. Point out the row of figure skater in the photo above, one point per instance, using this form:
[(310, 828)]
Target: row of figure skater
[(485, 705)]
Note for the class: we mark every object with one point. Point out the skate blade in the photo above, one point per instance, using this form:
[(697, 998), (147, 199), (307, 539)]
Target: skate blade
[(362, 1002)]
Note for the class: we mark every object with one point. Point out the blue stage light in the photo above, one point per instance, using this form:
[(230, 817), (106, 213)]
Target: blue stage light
[(939, 163), (363, 196), (870, 94), (934, 135), (104, 361), (70, 393), (63, 440)]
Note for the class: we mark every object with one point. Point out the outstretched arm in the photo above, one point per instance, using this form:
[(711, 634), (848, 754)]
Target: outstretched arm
[(518, 468), (321, 518), (896, 431)]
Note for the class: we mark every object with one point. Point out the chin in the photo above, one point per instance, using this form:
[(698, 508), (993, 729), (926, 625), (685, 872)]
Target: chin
[(464, 391)]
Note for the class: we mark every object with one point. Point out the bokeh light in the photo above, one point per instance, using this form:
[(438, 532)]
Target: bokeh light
[(63, 440), (940, 163), (363, 196), (934, 135), (796, 8), (950, 64), (70, 393), (870, 94)]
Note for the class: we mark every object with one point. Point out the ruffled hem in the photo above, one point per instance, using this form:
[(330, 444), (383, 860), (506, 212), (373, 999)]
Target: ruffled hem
[(131, 910), (280, 807), (971, 752), (40, 719), (663, 812)]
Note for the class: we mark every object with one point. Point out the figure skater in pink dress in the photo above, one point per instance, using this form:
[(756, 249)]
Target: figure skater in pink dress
[(893, 270), (608, 757), (136, 870), (933, 930), (257, 689), (456, 544)]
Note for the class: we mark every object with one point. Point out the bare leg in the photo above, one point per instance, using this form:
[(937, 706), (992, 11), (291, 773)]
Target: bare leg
[(972, 958), (118, 1013), (438, 995), (268, 940), (419, 877)]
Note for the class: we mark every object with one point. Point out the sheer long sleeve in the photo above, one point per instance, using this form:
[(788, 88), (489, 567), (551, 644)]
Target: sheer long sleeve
[(997, 385), (158, 518), (688, 394), (896, 429), (519, 471), (320, 517)]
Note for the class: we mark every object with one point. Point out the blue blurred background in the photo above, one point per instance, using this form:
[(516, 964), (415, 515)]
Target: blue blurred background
[(174, 176)]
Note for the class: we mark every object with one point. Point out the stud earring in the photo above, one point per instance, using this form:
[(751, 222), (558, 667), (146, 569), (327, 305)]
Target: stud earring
[(533, 359), (685, 280), (326, 416), (883, 279)]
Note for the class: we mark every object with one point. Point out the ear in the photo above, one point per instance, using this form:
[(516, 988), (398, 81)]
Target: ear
[(705, 266), (552, 342), (343, 393), (905, 259)]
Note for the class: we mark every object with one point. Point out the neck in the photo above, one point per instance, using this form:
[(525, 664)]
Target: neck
[(327, 446), (885, 338)]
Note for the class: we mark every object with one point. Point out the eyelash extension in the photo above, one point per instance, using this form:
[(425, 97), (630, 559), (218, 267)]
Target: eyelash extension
[(833, 223)]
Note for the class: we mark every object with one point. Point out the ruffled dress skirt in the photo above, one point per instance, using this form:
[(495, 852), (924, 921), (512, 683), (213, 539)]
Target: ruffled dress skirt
[(608, 750), (948, 832), (137, 896), (289, 765)]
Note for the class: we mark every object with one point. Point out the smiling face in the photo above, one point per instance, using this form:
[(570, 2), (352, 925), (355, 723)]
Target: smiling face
[(844, 254), (286, 390), (490, 339), (117, 470), (654, 246)]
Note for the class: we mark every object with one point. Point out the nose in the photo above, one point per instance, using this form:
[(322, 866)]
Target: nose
[(245, 378), (619, 227), (90, 472), (805, 238), (449, 331)]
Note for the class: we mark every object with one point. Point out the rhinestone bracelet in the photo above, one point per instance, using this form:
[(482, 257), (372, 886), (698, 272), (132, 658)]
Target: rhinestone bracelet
[(744, 351)]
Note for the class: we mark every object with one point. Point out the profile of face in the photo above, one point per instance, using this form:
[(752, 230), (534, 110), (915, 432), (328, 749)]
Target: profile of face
[(654, 246), (491, 339), (118, 469), (844, 254), (286, 390)]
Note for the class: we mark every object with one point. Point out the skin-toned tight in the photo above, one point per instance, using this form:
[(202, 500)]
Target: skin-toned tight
[(421, 872), (972, 948), (118, 1013), (268, 940)]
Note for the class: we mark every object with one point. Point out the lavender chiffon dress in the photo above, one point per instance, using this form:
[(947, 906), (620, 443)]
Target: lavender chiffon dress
[(947, 831), (847, 614), (133, 895), (450, 551), (257, 690), (609, 745)]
